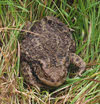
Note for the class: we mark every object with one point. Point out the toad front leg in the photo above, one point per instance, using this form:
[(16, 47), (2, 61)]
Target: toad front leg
[(75, 59), (26, 71)]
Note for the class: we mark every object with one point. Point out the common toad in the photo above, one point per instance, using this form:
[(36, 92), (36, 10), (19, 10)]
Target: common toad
[(46, 53)]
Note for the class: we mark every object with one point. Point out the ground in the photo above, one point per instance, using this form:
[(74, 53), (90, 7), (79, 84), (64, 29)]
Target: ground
[(83, 19)]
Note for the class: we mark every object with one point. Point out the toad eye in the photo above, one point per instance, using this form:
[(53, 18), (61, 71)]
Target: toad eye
[(50, 22)]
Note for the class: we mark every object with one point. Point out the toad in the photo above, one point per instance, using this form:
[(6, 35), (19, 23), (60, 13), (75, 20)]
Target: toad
[(47, 51)]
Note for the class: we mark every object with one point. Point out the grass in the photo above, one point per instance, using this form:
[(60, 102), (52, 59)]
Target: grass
[(83, 17)]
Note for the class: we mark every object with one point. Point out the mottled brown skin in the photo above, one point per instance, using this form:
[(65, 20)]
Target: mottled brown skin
[(47, 52)]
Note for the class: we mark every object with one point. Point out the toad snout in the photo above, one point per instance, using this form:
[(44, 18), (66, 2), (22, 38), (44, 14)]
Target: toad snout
[(54, 77)]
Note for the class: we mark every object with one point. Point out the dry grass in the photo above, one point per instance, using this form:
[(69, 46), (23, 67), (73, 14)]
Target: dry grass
[(83, 18)]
